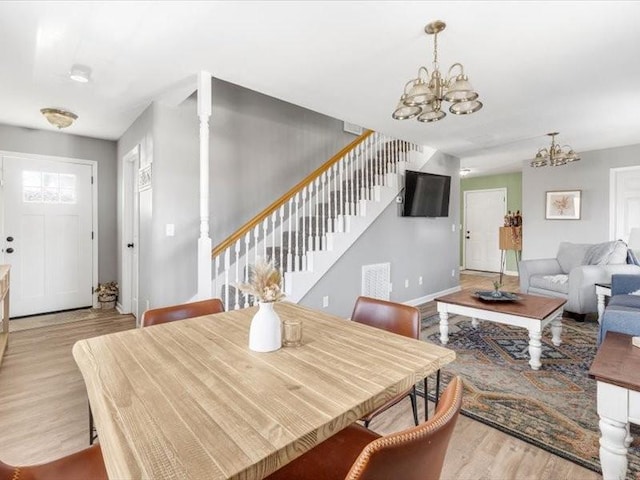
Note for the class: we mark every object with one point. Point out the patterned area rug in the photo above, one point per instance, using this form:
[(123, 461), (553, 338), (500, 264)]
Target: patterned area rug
[(553, 408)]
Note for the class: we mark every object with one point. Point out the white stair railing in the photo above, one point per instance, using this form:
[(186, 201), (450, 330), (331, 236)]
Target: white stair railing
[(302, 220)]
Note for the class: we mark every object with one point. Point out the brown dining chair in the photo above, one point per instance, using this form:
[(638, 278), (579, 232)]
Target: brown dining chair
[(396, 318), (83, 465), (161, 315), (183, 311), (357, 453)]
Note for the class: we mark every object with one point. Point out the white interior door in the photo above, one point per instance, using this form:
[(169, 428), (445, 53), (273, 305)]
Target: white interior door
[(625, 202), (484, 215), (130, 227), (48, 234)]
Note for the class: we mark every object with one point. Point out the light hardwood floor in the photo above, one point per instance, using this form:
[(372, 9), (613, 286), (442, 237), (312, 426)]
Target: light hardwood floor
[(44, 413)]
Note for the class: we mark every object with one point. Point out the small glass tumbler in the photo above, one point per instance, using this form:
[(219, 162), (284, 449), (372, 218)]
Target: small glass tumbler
[(292, 333)]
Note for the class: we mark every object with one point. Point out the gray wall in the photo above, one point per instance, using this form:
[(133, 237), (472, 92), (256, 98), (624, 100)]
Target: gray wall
[(62, 144), (415, 247), (260, 147), (591, 175)]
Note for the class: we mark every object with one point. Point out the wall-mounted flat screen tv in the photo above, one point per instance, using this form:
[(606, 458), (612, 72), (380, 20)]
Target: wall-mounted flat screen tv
[(426, 194)]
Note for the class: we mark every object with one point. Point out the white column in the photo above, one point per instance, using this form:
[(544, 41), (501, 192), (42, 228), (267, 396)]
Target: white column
[(204, 241)]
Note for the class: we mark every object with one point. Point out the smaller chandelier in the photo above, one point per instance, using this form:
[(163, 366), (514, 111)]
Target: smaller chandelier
[(555, 155), (59, 118), (423, 96)]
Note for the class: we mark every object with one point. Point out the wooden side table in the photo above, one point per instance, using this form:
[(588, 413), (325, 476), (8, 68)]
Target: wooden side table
[(4, 300), (510, 238), (615, 368)]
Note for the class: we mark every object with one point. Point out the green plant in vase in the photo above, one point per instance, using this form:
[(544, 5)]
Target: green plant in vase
[(496, 289)]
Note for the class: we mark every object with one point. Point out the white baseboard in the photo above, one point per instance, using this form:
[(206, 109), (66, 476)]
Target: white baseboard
[(511, 273), (432, 296)]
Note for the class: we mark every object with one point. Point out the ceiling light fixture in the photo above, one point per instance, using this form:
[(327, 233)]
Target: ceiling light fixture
[(80, 73), (58, 118), (555, 155), (464, 172), (423, 96)]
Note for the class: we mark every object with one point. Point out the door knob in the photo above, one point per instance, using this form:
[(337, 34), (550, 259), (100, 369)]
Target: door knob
[(9, 239), (9, 250), (467, 237), (129, 245)]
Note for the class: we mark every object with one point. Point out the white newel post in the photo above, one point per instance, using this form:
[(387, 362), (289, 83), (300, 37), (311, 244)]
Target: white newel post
[(204, 242)]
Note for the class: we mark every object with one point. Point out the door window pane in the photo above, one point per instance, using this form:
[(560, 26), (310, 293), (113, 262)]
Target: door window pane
[(48, 187)]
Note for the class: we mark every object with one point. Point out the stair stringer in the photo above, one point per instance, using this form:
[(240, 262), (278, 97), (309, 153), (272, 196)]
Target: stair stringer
[(298, 284)]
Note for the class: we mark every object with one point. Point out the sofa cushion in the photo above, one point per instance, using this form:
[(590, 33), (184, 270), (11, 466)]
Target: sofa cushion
[(555, 283), (632, 301), (607, 253), (571, 255)]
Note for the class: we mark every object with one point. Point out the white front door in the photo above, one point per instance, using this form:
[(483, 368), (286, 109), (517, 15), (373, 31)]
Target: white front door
[(48, 234), (625, 202), (484, 212)]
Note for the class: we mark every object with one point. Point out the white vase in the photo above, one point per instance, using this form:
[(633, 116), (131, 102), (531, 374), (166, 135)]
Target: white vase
[(265, 334)]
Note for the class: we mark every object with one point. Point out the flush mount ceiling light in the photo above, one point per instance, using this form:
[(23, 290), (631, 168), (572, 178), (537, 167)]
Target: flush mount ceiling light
[(58, 118), (80, 73), (423, 96), (464, 172), (555, 155)]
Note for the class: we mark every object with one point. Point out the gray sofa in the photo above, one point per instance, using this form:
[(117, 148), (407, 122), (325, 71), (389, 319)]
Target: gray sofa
[(574, 273)]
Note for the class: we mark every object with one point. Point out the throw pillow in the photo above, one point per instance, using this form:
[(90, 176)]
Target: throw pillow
[(607, 253)]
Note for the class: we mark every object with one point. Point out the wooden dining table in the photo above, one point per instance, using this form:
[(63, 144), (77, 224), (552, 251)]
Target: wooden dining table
[(188, 399)]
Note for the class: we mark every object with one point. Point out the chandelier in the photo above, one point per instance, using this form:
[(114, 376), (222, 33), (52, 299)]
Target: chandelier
[(58, 117), (555, 155), (423, 96)]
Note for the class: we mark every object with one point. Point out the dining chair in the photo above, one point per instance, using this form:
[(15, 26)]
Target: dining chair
[(396, 318), (357, 453), (83, 465), (183, 311), (157, 316)]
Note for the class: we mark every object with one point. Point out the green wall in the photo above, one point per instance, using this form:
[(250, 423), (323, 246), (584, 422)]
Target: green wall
[(513, 183)]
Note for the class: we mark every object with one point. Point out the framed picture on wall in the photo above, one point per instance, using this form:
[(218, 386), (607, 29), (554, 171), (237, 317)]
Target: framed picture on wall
[(563, 205)]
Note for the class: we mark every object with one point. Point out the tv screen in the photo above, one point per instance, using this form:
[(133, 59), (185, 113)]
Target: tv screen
[(426, 194)]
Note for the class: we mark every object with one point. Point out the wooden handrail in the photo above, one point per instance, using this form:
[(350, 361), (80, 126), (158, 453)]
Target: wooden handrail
[(231, 239)]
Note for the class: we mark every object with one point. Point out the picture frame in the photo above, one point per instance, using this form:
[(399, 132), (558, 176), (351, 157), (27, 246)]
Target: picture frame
[(563, 205)]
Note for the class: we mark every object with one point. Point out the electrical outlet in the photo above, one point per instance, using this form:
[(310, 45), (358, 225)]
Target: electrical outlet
[(406, 283), (419, 280), (453, 227), (453, 272), (325, 302)]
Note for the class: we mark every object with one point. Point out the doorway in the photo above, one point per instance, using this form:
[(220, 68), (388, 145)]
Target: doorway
[(49, 232), (624, 202), (484, 212)]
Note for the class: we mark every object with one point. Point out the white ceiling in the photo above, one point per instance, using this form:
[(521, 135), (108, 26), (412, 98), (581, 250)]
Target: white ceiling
[(572, 67)]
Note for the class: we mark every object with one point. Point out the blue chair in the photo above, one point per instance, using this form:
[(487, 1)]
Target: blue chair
[(622, 314)]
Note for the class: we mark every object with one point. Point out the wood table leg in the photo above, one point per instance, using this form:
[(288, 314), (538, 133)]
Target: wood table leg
[(556, 331), (475, 322), (535, 348), (444, 327), (613, 453)]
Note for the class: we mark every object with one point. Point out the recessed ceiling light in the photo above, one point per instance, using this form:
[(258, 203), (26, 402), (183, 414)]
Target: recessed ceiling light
[(464, 172), (80, 73)]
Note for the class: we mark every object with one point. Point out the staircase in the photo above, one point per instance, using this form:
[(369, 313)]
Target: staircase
[(310, 227)]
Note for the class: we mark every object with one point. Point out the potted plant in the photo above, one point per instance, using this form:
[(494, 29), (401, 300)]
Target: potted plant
[(107, 295)]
